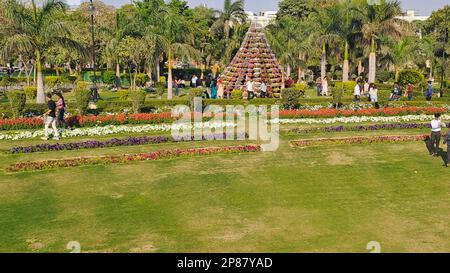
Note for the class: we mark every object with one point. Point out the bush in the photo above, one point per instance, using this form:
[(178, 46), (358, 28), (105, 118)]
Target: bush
[(5, 82), (301, 86), (17, 100), (162, 79), (123, 94), (194, 93), (142, 79), (160, 89), (236, 94), (385, 76), (81, 85), (30, 92), (411, 76), (52, 81), (69, 79), (137, 100), (349, 86), (82, 98), (109, 77), (290, 98)]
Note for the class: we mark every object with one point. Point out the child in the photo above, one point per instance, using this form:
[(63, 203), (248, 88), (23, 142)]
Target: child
[(447, 141)]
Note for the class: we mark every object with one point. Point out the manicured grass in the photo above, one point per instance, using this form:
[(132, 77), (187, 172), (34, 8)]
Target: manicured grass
[(320, 199)]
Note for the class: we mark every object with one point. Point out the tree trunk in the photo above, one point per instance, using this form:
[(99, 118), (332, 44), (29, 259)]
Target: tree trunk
[(345, 68), (372, 67), (323, 62), (40, 80), (372, 63), (169, 76), (118, 84), (158, 71)]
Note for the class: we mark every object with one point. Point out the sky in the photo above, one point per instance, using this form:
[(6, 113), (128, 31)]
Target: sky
[(424, 7)]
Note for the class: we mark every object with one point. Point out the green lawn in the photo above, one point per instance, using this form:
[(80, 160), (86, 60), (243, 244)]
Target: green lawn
[(320, 199)]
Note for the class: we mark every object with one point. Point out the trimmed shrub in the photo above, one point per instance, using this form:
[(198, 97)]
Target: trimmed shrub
[(123, 94), (290, 98), (236, 94), (82, 98), (349, 86), (411, 76), (17, 100), (30, 92), (385, 76), (194, 93), (137, 100), (300, 86), (162, 79), (52, 81), (109, 77), (160, 89), (142, 79)]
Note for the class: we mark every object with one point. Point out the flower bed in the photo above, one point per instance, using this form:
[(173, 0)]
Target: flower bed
[(92, 144), (388, 111), (160, 118), (116, 159), (357, 140), (362, 119), (358, 128), (112, 129)]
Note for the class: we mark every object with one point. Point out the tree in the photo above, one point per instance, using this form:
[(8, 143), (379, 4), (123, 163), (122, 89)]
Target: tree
[(380, 20), (297, 9), (34, 29), (233, 14)]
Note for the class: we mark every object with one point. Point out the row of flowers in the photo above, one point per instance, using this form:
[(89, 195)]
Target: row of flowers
[(116, 129), (120, 129), (362, 119), (160, 118), (124, 158), (388, 111), (114, 142), (358, 128), (89, 120), (357, 140)]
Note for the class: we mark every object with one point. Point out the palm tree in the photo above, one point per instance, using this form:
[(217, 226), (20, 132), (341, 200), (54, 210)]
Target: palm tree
[(177, 40), (34, 29), (233, 14), (326, 21), (380, 20)]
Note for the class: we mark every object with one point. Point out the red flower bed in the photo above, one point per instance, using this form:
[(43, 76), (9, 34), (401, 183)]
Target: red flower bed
[(388, 111), (115, 159)]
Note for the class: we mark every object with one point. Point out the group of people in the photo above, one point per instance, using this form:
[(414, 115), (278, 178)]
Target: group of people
[(435, 139), (54, 116), (322, 86), (214, 86), (364, 89)]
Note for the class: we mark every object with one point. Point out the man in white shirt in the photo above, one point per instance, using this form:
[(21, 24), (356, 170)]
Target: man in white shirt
[(194, 81), (366, 87), (436, 127), (357, 92), (250, 89), (263, 89)]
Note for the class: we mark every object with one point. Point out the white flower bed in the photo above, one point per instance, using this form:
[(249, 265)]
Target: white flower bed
[(362, 119), (115, 129)]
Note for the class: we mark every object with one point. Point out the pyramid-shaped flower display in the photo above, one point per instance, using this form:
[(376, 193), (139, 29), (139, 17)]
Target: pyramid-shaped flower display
[(254, 59)]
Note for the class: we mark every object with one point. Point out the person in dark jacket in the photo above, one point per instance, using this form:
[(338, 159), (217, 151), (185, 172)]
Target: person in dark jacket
[(447, 141)]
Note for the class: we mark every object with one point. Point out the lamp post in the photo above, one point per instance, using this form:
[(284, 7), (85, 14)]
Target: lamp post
[(94, 88)]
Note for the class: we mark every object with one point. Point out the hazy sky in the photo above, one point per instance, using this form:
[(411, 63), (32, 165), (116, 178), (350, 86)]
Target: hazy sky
[(425, 7)]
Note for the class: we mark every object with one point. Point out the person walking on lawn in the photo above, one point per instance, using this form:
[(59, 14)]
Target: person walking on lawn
[(447, 141), (50, 118), (436, 127)]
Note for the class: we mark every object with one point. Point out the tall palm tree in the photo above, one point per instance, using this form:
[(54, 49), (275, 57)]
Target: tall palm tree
[(233, 14), (177, 40), (327, 23), (36, 29), (380, 20)]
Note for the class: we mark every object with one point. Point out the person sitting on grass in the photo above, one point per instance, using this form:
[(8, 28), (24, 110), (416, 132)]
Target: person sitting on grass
[(447, 141), (50, 118)]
